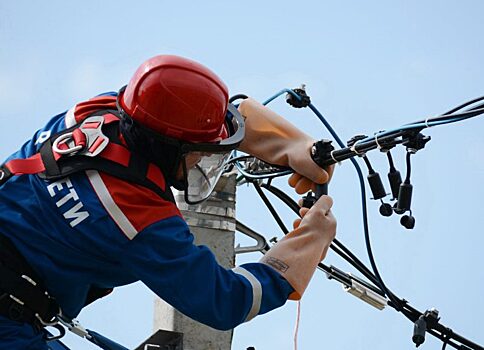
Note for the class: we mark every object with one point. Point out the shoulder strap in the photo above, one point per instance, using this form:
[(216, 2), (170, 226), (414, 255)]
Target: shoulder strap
[(86, 147)]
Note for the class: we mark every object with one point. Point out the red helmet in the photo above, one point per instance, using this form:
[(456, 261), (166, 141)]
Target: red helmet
[(179, 98)]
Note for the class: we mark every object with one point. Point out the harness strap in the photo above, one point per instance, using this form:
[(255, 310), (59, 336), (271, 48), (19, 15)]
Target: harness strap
[(23, 299), (81, 147), (84, 147), (35, 164), (22, 296), (32, 165)]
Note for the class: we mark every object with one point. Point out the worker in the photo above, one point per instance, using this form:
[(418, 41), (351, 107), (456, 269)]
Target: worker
[(86, 204)]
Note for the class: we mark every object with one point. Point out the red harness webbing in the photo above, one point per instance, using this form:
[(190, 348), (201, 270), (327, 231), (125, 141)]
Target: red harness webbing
[(32, 165), (35, 164), (112, 152)]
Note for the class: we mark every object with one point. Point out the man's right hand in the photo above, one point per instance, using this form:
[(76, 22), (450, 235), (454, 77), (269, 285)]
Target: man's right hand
[(321, 216), (297, 254)]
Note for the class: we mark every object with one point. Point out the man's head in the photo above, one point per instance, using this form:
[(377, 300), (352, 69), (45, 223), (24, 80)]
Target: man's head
[(179, 98), (174, 110)]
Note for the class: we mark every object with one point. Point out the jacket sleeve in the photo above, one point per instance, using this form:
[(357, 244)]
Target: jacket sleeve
[(189, 278)]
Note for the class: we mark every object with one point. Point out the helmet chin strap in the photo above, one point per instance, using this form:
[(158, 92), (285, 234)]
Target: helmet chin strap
[(166, 154), (180, 185)]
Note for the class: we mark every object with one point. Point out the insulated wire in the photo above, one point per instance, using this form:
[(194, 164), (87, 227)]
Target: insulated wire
[(468, 103), (338, 247), (271, 208), (398, 304), (381, 284), (436, 121)]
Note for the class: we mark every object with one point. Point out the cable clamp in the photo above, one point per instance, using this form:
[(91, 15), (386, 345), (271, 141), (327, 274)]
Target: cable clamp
[(75, 327), (367, 295), (427, 125), (353, 149), (380, 147), (332, 157)]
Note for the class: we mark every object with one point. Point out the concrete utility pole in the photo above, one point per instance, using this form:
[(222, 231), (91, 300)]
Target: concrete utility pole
[(213, 224)]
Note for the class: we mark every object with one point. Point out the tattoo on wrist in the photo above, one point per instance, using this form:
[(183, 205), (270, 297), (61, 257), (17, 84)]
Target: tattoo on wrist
[(277, 264)]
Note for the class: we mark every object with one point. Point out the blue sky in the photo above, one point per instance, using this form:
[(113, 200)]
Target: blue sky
[(368, 65)]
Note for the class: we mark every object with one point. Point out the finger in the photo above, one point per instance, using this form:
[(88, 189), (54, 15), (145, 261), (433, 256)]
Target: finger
[(314, 187), (303, 185), (308, 168), (324, 203), (330, 170), (303, 212), (296, 223), (293, 179)]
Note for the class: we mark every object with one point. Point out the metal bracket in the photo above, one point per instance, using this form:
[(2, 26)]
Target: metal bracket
[(261, 246)]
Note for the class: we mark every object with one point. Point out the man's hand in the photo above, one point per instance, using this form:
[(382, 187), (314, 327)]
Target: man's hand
[(329, 221), (270, 137), (297, 254)]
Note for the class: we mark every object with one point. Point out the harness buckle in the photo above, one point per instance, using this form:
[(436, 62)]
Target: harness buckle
[(52, 322), (87, 140), (5, 174), (62, 141)]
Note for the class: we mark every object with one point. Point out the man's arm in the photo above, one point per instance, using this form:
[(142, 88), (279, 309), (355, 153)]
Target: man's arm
[(189, 278)]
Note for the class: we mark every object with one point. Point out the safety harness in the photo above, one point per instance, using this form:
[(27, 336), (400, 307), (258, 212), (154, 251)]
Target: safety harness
[(94, 143), (23, 297), (85, 146)]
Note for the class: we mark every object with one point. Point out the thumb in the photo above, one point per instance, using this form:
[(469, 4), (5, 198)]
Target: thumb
[(323, 204)]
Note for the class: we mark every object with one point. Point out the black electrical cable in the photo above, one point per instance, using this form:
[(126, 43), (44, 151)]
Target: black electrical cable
[(409, 167), (390, 161), (368, 164), (282, 196), (337, 246), (401, 305), (238, 97), (468, 103), (398, 304), (439, 331), (471, 113), (271, 208)]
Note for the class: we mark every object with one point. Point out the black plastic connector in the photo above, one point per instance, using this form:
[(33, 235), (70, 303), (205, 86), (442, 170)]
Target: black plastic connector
[(395, 180), (404, 197), (303, 101), (419, 329), (321, 152), (308, 200), (426, 321), (416, 142), (376, 185)]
